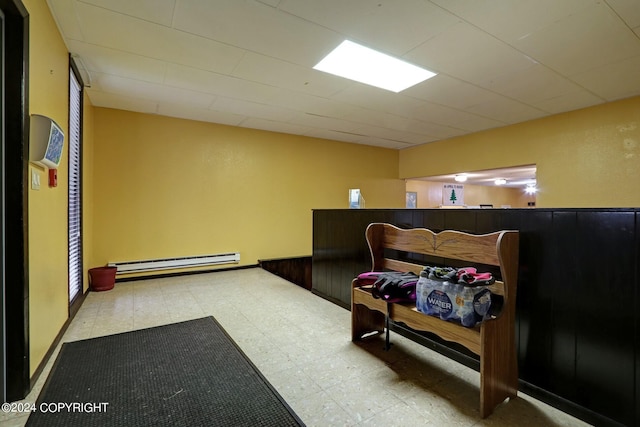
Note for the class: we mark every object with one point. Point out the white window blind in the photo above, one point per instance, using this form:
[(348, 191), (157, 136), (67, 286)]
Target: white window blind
[(75, 205)]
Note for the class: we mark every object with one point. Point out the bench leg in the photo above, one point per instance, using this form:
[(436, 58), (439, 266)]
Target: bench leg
[(365, 321), (498, 365)]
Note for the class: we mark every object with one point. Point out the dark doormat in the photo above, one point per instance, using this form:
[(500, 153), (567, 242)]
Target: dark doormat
[(183, 374)]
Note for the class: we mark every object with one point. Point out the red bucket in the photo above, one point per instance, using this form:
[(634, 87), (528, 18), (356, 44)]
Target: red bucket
[(102, 278)]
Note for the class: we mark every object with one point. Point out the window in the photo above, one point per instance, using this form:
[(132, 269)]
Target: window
[(75, 181)]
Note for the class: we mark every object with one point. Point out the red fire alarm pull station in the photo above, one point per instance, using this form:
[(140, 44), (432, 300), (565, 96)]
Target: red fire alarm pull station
[(53, 177)]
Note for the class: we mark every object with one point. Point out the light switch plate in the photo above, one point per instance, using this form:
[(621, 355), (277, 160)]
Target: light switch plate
[(35, 180)]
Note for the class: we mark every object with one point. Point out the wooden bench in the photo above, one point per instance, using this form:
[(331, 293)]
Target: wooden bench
[(493, 339)]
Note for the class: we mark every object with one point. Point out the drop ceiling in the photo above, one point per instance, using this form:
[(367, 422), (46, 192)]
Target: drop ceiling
[(249, 63)]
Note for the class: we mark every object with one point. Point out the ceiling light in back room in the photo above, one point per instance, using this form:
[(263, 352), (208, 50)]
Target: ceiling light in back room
[(460, 177), (500, 181), (362, 64), (531, 188)]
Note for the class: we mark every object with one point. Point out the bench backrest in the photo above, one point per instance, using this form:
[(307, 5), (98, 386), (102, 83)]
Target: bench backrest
[(498, 249)]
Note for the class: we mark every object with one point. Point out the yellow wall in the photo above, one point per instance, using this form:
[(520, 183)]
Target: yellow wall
[(584, 158), (430, 195), (169, 187), (48, 271)]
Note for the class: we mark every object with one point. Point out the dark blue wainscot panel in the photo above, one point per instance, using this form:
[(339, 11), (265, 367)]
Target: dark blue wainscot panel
[(561, 375), (636, 310), (578, 302), (604, 289), (340, 250)]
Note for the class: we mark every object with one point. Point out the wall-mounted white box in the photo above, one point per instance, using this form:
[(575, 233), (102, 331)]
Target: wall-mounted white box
[(46, 141)]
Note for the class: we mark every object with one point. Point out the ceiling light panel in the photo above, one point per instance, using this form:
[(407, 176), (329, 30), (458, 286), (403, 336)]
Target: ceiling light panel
[(362, 64)]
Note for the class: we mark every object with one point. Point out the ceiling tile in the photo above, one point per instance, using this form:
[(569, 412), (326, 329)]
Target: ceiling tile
[(66, 16), (311, 104), (448, 116), (151, 91), (628, 10), (452, 92), (252, 109), (364, 116), (201, 114), (275, 126), (405, 136), (506, 110), (386, 122), (255, 27), (121, 102), (217, 84), (569, 102), (385, 143), (323, 122), (433, 129), (158, 11), (477, 123), (373, 98), (335, 135), (582, 41), (154, 40), (392, 26), (511, 20), (541, 84), (272, 3), (98, 59), (278, 73), (393, 123), (469, 54), (614, 81)]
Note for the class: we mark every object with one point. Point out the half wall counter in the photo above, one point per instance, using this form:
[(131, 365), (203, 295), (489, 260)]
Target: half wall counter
[(578, 301)]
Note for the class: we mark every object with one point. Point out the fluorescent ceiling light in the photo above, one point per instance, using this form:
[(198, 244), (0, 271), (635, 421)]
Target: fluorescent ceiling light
[(500, 181), (460, 178), (355, 62), (531, 189)]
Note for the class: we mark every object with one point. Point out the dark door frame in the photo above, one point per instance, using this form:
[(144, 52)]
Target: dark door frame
[(16, 169)]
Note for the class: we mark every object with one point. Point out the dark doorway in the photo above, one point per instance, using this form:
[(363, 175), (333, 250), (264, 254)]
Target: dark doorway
[(14, 163)]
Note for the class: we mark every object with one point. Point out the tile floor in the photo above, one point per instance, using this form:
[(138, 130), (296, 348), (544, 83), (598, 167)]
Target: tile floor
[(301, 343)]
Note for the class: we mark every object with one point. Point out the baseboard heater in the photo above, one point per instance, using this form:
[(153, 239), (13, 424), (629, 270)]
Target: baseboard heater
[(173, 263)]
